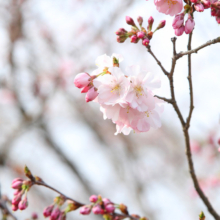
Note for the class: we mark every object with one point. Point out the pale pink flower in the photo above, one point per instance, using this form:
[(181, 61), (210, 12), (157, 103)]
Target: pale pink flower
[(140, 83), (105, 61), (199, 7), (190, 23), (206, 3), (91, 95), (169, 7), (111, 88), (179, 31), (178, 21)]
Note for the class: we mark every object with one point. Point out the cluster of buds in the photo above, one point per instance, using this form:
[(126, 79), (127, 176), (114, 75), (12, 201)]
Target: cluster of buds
[(215, 10), (84, 82), (138, 33), (178, 24), (20, 195), (54, 210)]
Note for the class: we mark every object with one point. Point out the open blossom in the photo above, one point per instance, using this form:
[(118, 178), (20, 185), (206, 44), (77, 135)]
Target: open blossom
[(169, 7), (141, 82), (105, 61), (199, 7), (111, 88)]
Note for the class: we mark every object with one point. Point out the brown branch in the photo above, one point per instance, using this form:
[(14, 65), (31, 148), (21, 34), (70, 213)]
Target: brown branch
[(158, 62), (214, 41), (41, 183), (186, 125), (164, 99)]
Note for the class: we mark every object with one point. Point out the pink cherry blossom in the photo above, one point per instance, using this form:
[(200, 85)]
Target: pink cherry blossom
[(111, 88), (169, 7), (199, 7), (81, 80), (140, 83), (189, 26)]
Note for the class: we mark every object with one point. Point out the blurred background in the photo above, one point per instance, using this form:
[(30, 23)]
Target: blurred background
[(46, 124)]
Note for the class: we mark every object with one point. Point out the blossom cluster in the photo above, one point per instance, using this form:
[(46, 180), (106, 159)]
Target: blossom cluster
[(21, 188), (138, 33), (125, 98)]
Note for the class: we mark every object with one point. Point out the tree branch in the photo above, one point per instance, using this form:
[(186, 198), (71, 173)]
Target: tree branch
[(214, 41)]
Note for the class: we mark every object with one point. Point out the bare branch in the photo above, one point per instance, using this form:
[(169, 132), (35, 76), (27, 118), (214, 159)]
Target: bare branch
[(164, 99), (214, 41)]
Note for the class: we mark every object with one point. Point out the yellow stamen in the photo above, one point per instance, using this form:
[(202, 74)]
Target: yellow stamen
[(117, 89), (138, 90)]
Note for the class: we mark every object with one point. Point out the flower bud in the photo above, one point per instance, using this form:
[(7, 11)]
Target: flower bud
[(189, 26), (150, 23), (91, 94), (23, 204), (17, 199), (16, 192), (106, 201), (81, 80), (145, 41), (218, 20), (194, 1), (199, 7), (121, 31), (140, 34), (178, 21), (85, 210), (134, 39), (121, 39), (97, 210), (93, 198), (55, 214), (179, 31), (48, 210), (34, 215), (17, 183), (123, 209), (129, 21), (140, 20), (85, 89), (206, 3), (150, 35), (213, 11), (161, 25), (14, 207), (110, 208)]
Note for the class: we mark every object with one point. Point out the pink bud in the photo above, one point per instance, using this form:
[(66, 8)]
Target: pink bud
[(110, 208), (62, 216), (194, 1), (85, 89), (161, 24), (23, 204), (199, 7), (189, 26), (93, 198), (121, 39), (85, 210), (179, 31), (55, 214), (106, 201), (121, 31), (129, 21), (140, 20), (140, 34), (218, 20), (17, 199), (48, 210), (16, 192), (34, 215), (146, 42), (150, 23), (178, 21), (14, 207), (97, 210), (17, 179), (81, 80), (134, 39), (17, 183), (206, 4), (91, 94), (213, 12)]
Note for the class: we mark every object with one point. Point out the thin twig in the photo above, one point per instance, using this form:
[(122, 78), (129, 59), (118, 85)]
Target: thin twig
[(158, 62), (214, 41), (164, 99)]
